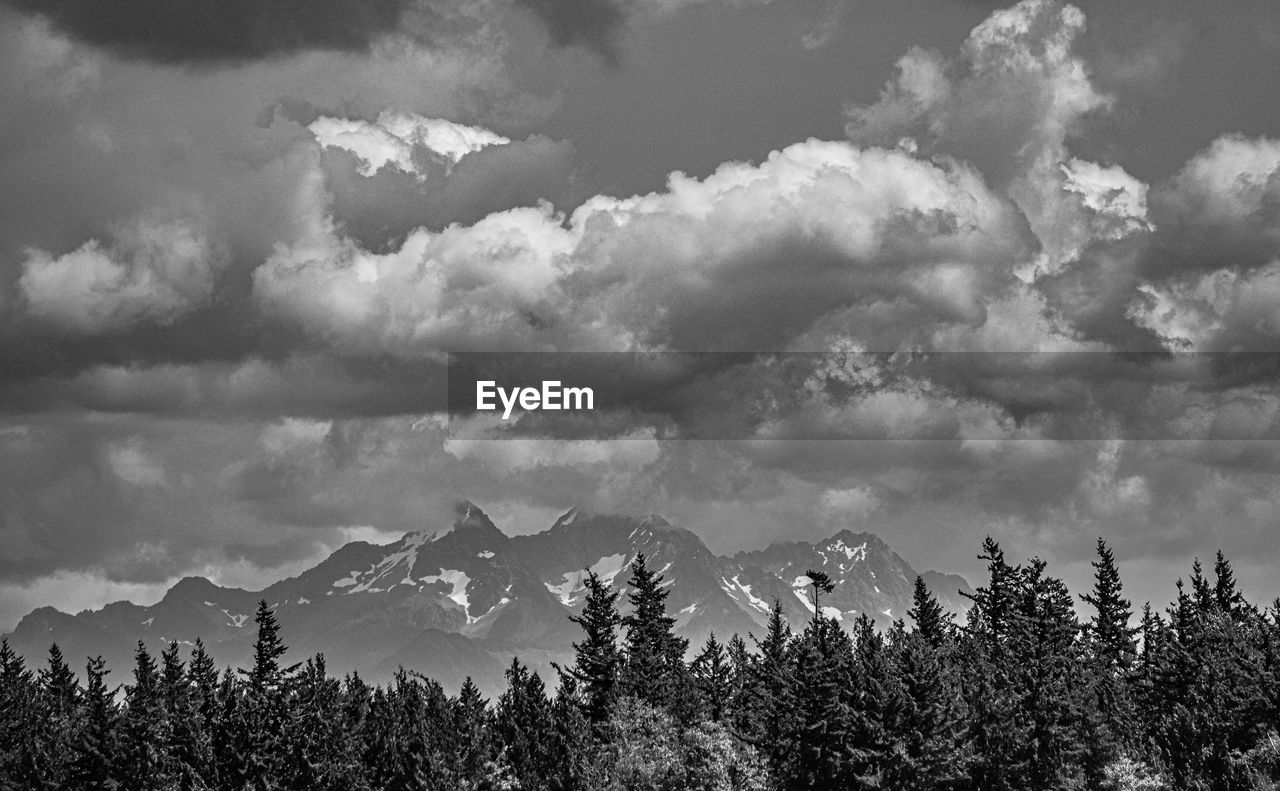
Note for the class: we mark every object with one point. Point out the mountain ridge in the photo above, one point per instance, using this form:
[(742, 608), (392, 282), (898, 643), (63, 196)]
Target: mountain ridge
[(462, 600)]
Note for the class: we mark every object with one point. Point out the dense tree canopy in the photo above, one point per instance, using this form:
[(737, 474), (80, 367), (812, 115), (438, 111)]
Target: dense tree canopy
[(1024, 694)]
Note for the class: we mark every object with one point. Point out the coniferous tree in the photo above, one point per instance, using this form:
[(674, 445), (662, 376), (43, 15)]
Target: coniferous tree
[(597, 657), (472, 746), (18, 716), (145, 758), (1049, 680), (571, 739), (713, 675), (873, 699), (263, 716), (57, 706), (929, 727), (820, 583), (1225, 594), (1111, 635), (995, 731), (932, 623), (768, 716), (653, 668), (1112, 651), (522, 724), (95, 758)]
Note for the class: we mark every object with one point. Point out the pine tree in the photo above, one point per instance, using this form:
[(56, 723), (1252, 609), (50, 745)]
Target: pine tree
[(870, 699), (770, 708), (653, 668), (994, 728), (145, 728), (263, 716), (522, 722), (929, 727), (571, 740), (713, 675), (1112, 636), (18, 712), (323, 754), (1225, 594), (820, 583), (933, 623), (597, 658), (1050, 680), (189, 744), (1112, 651), (472, 745), (95, 758), (57, 703), (58, 685)]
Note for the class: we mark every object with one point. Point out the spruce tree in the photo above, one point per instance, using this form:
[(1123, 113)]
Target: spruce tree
[(1111, 635), (1112, 652), (653, 667), (928, 729), (146, 763), (18, 714), (770, 709), (522, 724), (1225, 593), (263, 716), (995, 730), (713, 675), (54, 729), (95, 755), (597, 658), (471, 738), (1049, 680), (933, 624)]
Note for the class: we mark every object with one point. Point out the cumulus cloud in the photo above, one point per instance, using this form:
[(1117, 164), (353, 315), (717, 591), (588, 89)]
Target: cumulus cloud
[(677, 269), (153, 270), (1008, 104), (394, 137)]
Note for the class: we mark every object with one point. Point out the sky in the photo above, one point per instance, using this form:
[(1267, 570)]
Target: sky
[(235, 251)]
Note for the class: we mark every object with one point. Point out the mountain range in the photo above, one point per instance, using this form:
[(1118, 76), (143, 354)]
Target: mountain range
[(462, 600)]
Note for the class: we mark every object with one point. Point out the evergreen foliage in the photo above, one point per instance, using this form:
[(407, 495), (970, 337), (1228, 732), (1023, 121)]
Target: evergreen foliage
[(1024, 695)]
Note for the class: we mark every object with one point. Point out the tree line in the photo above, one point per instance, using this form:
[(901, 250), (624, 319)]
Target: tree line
[(1021, 695)]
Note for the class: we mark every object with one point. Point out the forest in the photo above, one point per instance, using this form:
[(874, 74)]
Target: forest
[(1033, 690)]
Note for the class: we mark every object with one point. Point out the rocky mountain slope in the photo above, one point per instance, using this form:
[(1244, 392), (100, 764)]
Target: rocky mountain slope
[(463, 600)]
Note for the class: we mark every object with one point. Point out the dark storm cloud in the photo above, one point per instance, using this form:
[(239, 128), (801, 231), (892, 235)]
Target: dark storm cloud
[(595, 25), (213, 31)]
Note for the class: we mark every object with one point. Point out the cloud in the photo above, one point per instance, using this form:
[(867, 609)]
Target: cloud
[(394, 139), (1008, 105), (153, 270), (181, 31), (677, 269), (595, 25)]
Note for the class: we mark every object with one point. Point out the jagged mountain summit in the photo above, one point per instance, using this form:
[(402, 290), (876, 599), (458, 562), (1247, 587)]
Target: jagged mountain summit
[(462, 600)]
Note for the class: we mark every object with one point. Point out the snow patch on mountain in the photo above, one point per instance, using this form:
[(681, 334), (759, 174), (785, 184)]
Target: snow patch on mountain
[(606, 568), (736, 587), (458, 579)]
